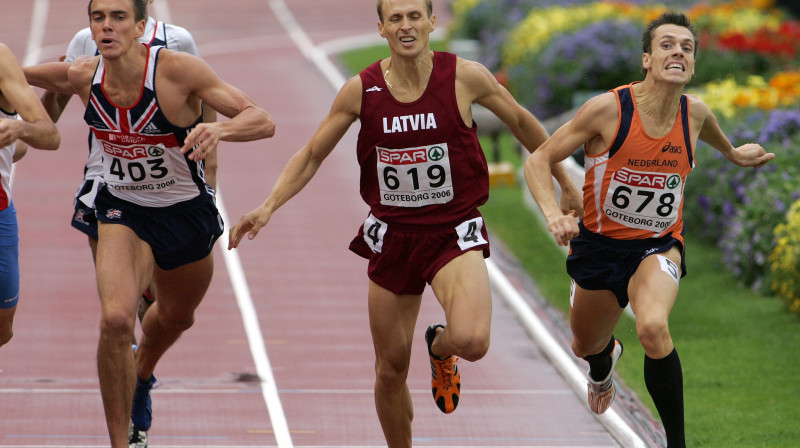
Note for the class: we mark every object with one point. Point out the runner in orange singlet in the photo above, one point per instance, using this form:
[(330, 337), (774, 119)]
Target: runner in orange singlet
[(639, 141)]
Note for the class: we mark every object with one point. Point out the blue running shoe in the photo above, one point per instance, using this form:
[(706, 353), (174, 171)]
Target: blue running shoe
[(142, 408)]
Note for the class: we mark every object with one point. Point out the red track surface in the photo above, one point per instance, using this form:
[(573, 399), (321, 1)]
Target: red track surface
[(308, 290)]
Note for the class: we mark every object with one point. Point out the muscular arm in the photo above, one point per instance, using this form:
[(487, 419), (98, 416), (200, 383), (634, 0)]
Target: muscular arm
[(302, 166), (586, 125), (35, 128), (247, 122), (749, 155), (476, 79)]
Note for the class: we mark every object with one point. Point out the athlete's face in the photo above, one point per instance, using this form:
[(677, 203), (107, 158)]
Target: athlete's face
[(671, 58), (114, 26), (407, 26)]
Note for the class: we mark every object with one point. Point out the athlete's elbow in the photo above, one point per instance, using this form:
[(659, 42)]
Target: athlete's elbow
[(54, 142), (268, 126)]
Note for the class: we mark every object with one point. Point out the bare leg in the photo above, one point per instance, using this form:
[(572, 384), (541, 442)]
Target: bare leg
[(124, 264), (392, 320), (179, 292), (6, 324), (462, 288)]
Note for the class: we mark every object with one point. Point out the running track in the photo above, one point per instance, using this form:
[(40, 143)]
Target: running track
[(289, 306)]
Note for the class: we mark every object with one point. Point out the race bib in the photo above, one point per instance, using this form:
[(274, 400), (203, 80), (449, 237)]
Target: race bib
[(137, 167), (415, 177), (644, 200)]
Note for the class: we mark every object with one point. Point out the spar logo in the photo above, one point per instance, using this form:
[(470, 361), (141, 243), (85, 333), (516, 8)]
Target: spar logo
[(125, 152), (646, 180), (410, 156), (403, 156)]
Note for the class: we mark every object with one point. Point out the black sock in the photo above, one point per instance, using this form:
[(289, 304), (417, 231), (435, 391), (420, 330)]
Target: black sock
[(600, 363), (664, 380)]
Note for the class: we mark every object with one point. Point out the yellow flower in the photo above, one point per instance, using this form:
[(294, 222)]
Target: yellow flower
[(785, 259)]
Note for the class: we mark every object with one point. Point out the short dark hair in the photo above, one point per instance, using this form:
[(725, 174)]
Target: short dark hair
[(379, 4), (668, 18), (139, 9)]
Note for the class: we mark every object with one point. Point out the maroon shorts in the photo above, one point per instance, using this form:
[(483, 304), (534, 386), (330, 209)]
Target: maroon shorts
[(404, 258)]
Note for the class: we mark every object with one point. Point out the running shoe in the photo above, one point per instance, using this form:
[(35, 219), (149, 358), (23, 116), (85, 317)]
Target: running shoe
[(601, 393), (136, 438), (142, 408), (445, 378)]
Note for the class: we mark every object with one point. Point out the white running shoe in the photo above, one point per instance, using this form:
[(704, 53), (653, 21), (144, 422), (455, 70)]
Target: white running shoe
[(136, 438), (601, 393)]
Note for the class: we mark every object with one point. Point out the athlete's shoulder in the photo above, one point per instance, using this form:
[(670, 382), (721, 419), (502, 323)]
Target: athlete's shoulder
[(698, 109)]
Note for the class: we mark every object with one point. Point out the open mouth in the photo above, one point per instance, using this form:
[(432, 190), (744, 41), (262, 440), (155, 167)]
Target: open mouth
[(676, 67), (408, 39)]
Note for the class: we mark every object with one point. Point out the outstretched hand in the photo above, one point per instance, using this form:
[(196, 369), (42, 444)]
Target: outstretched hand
[(752, 154), (249, 225)]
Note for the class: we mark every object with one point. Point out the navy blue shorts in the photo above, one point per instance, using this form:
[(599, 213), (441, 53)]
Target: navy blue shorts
[(597, 262), (403, 258), (178, 234), (83, 218)]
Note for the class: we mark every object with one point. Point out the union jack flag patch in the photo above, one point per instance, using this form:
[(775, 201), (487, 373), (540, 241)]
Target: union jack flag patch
[(114, 214)]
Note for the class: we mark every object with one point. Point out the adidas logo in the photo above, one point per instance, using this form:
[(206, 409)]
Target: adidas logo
[(374, 89), (151, 128)]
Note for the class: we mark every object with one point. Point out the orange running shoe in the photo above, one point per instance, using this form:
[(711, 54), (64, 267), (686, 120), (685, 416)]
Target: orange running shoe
[(445, 378), (601, 393)]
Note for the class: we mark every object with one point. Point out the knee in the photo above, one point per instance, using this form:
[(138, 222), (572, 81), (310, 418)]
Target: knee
[(174, 320), (179, 323), (390, 375), (116, 323), (472, 346), (582, 349), (653, 334)]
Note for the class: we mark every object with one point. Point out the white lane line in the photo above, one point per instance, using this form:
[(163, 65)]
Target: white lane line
[(561, 361), (36, 36), (255, 339), (303, 42), (269, 388)]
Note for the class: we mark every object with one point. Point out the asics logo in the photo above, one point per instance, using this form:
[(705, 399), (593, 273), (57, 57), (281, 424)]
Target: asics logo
[(672, 149), (374, 89)]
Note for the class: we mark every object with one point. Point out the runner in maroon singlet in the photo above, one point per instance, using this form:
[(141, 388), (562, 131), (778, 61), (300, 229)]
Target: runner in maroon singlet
[(423, 176)]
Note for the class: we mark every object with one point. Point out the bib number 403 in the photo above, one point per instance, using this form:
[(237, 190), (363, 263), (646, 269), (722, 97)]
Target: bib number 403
[(136, 171)]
